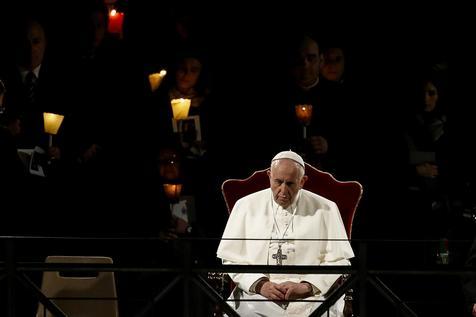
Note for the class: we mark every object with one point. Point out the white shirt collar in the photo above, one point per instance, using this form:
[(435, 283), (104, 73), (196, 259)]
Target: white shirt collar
[(24, 72), (312, 85)]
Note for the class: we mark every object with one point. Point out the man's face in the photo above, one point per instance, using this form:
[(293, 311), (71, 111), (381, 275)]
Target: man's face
[(431, 96), (306, 68), (285, 181), (32, 47)]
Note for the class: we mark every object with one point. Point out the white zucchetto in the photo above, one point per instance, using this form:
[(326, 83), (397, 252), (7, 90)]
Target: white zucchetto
[(289, 155)]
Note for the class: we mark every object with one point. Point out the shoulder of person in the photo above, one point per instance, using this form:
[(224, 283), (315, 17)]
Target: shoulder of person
[(252, 200), (317, 200), (254, 197)]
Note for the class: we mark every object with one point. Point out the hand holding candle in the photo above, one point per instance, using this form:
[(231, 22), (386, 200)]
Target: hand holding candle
[(304, 115)]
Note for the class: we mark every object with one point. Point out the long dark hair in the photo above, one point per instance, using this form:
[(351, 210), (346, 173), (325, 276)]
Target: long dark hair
[(203, 85)]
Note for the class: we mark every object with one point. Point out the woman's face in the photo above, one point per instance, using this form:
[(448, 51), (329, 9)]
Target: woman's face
[(431, 96), (332, 67), (187, 74)]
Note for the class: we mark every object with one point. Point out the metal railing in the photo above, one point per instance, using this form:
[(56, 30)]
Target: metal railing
[(192, 273)]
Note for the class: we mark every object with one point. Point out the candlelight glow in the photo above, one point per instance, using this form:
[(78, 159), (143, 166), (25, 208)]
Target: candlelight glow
[(155, 79), (116, 20), (169, 170), (172, 191), (52, 122), (180, 108), (304, 113)]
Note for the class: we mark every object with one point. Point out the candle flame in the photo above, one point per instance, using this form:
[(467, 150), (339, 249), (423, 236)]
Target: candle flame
[(155, 79), (304, 113)]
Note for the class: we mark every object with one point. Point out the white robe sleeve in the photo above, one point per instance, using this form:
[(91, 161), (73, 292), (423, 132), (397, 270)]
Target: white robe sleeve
[(246, 236), (235, 251), (231, 247), (245, 280), (324, 281)]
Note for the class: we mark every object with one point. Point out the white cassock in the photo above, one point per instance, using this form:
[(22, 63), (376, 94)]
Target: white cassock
[(258, 216)]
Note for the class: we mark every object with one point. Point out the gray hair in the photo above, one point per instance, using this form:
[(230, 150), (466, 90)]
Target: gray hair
[(298, 166)]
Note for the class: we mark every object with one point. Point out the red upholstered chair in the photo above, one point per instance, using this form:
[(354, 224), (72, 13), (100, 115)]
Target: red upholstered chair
[(345, 194)]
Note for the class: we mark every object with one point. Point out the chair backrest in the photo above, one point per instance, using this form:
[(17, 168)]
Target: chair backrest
[(345, 194), (85, 294)]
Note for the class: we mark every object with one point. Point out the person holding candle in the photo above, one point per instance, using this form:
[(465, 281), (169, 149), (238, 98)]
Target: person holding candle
[(187, 86), (324, 136), (104, 77), (191, 140), (305, 88), (33, 85), (94, 38)]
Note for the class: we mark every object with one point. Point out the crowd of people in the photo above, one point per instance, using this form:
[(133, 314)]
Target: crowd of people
[(403, 136)]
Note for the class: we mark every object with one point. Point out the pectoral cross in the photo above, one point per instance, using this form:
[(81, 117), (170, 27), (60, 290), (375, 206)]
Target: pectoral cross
[(279, 256)]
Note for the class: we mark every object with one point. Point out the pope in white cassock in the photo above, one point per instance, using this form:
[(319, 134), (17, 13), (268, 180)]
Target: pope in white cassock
[(281, 215)]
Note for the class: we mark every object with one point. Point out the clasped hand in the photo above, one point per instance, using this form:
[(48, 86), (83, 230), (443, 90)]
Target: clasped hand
[(285, 291)]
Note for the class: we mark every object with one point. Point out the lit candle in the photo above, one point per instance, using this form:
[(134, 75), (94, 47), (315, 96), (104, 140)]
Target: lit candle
[(155, 79), (52, 123), (304, 113), (180, 108), (172, 191), (115, 22), (169, 170)]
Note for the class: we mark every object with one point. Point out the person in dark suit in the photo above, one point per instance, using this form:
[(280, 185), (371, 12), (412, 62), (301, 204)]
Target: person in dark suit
[(32, 82)]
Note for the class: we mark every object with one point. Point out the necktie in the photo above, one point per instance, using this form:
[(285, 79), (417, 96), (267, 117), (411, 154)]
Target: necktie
[(30, 82)]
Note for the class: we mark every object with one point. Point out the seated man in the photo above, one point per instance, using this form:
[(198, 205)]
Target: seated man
[(281, 216)]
